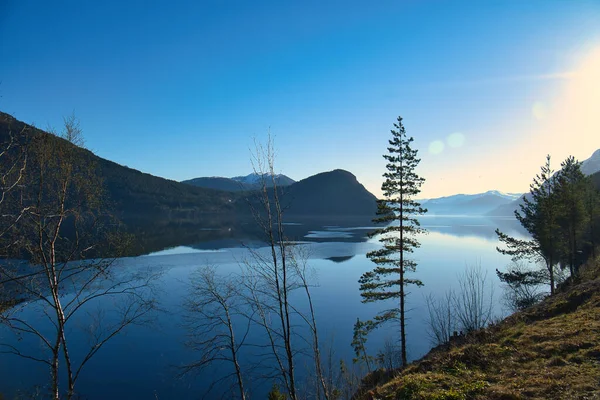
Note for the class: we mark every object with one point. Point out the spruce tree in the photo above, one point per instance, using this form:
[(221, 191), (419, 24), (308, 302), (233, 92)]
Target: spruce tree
[(592, 211), (398, 210), (570, 195), (359, 342), (538, 214)]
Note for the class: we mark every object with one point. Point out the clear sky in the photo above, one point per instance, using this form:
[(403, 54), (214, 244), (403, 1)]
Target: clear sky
[(180, 89)]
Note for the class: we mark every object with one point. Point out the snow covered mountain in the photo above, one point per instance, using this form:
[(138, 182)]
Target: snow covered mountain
[(254, 179), (238, 183), (469, 204)]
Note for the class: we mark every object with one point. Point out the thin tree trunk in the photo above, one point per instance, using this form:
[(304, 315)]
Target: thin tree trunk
[(366, 357), (70, 380), (573, 271), (592, 238), (55, 354), (238, 371), (402, 321), (551, 271), (282, 251)]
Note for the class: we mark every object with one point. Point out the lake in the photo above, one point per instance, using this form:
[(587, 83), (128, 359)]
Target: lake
[(142, 362)]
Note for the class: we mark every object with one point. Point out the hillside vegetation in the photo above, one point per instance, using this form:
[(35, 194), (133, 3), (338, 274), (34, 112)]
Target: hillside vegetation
[(133, 194), (549, 351)]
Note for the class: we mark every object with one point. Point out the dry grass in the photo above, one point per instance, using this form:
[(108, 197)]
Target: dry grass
[(550, 351)]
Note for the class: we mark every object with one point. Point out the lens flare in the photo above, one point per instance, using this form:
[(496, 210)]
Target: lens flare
[(436, 147)]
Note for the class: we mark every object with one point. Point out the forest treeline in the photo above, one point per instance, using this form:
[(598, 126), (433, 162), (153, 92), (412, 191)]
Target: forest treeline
[(561, 213)]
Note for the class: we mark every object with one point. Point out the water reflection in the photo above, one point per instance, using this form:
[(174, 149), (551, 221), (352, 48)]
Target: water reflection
[(142, 363), (233, 234)]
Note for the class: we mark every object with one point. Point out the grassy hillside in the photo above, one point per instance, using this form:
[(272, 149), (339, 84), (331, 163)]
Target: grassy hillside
[(550, 351)]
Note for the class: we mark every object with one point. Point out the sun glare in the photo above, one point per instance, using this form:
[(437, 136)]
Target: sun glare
[(581, 105), (572, 125)]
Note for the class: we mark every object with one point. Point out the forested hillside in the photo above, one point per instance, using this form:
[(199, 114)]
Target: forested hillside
[(134, 195)]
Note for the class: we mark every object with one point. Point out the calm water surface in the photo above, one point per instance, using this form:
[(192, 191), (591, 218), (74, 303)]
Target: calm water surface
[(142, 362)]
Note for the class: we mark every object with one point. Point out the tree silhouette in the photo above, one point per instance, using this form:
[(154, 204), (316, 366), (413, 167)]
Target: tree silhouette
[(398, 210)]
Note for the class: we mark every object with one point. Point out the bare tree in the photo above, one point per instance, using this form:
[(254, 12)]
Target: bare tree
[(64, 232), (523, 287), (212, 305), (270, 278), (473, 303), (260, 298), (442, 318), (390, 356), (299, 261), (271, 222), (468, 309)]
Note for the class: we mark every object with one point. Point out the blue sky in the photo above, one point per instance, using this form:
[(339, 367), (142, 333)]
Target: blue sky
[(181, 89)]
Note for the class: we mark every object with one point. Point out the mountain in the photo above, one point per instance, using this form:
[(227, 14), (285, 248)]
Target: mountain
[(216, 182), (238, 183), (332, 193), (468, 204), (254, 180), (591, 166)]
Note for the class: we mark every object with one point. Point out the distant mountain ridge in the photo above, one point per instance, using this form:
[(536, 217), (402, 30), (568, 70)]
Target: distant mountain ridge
[(256, 179), (239, 183), (468, 204)]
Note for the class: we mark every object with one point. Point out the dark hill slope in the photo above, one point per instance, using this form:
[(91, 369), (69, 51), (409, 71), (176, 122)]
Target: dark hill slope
[(329, 193), (134, 195), (508, 210), (217, 183)]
